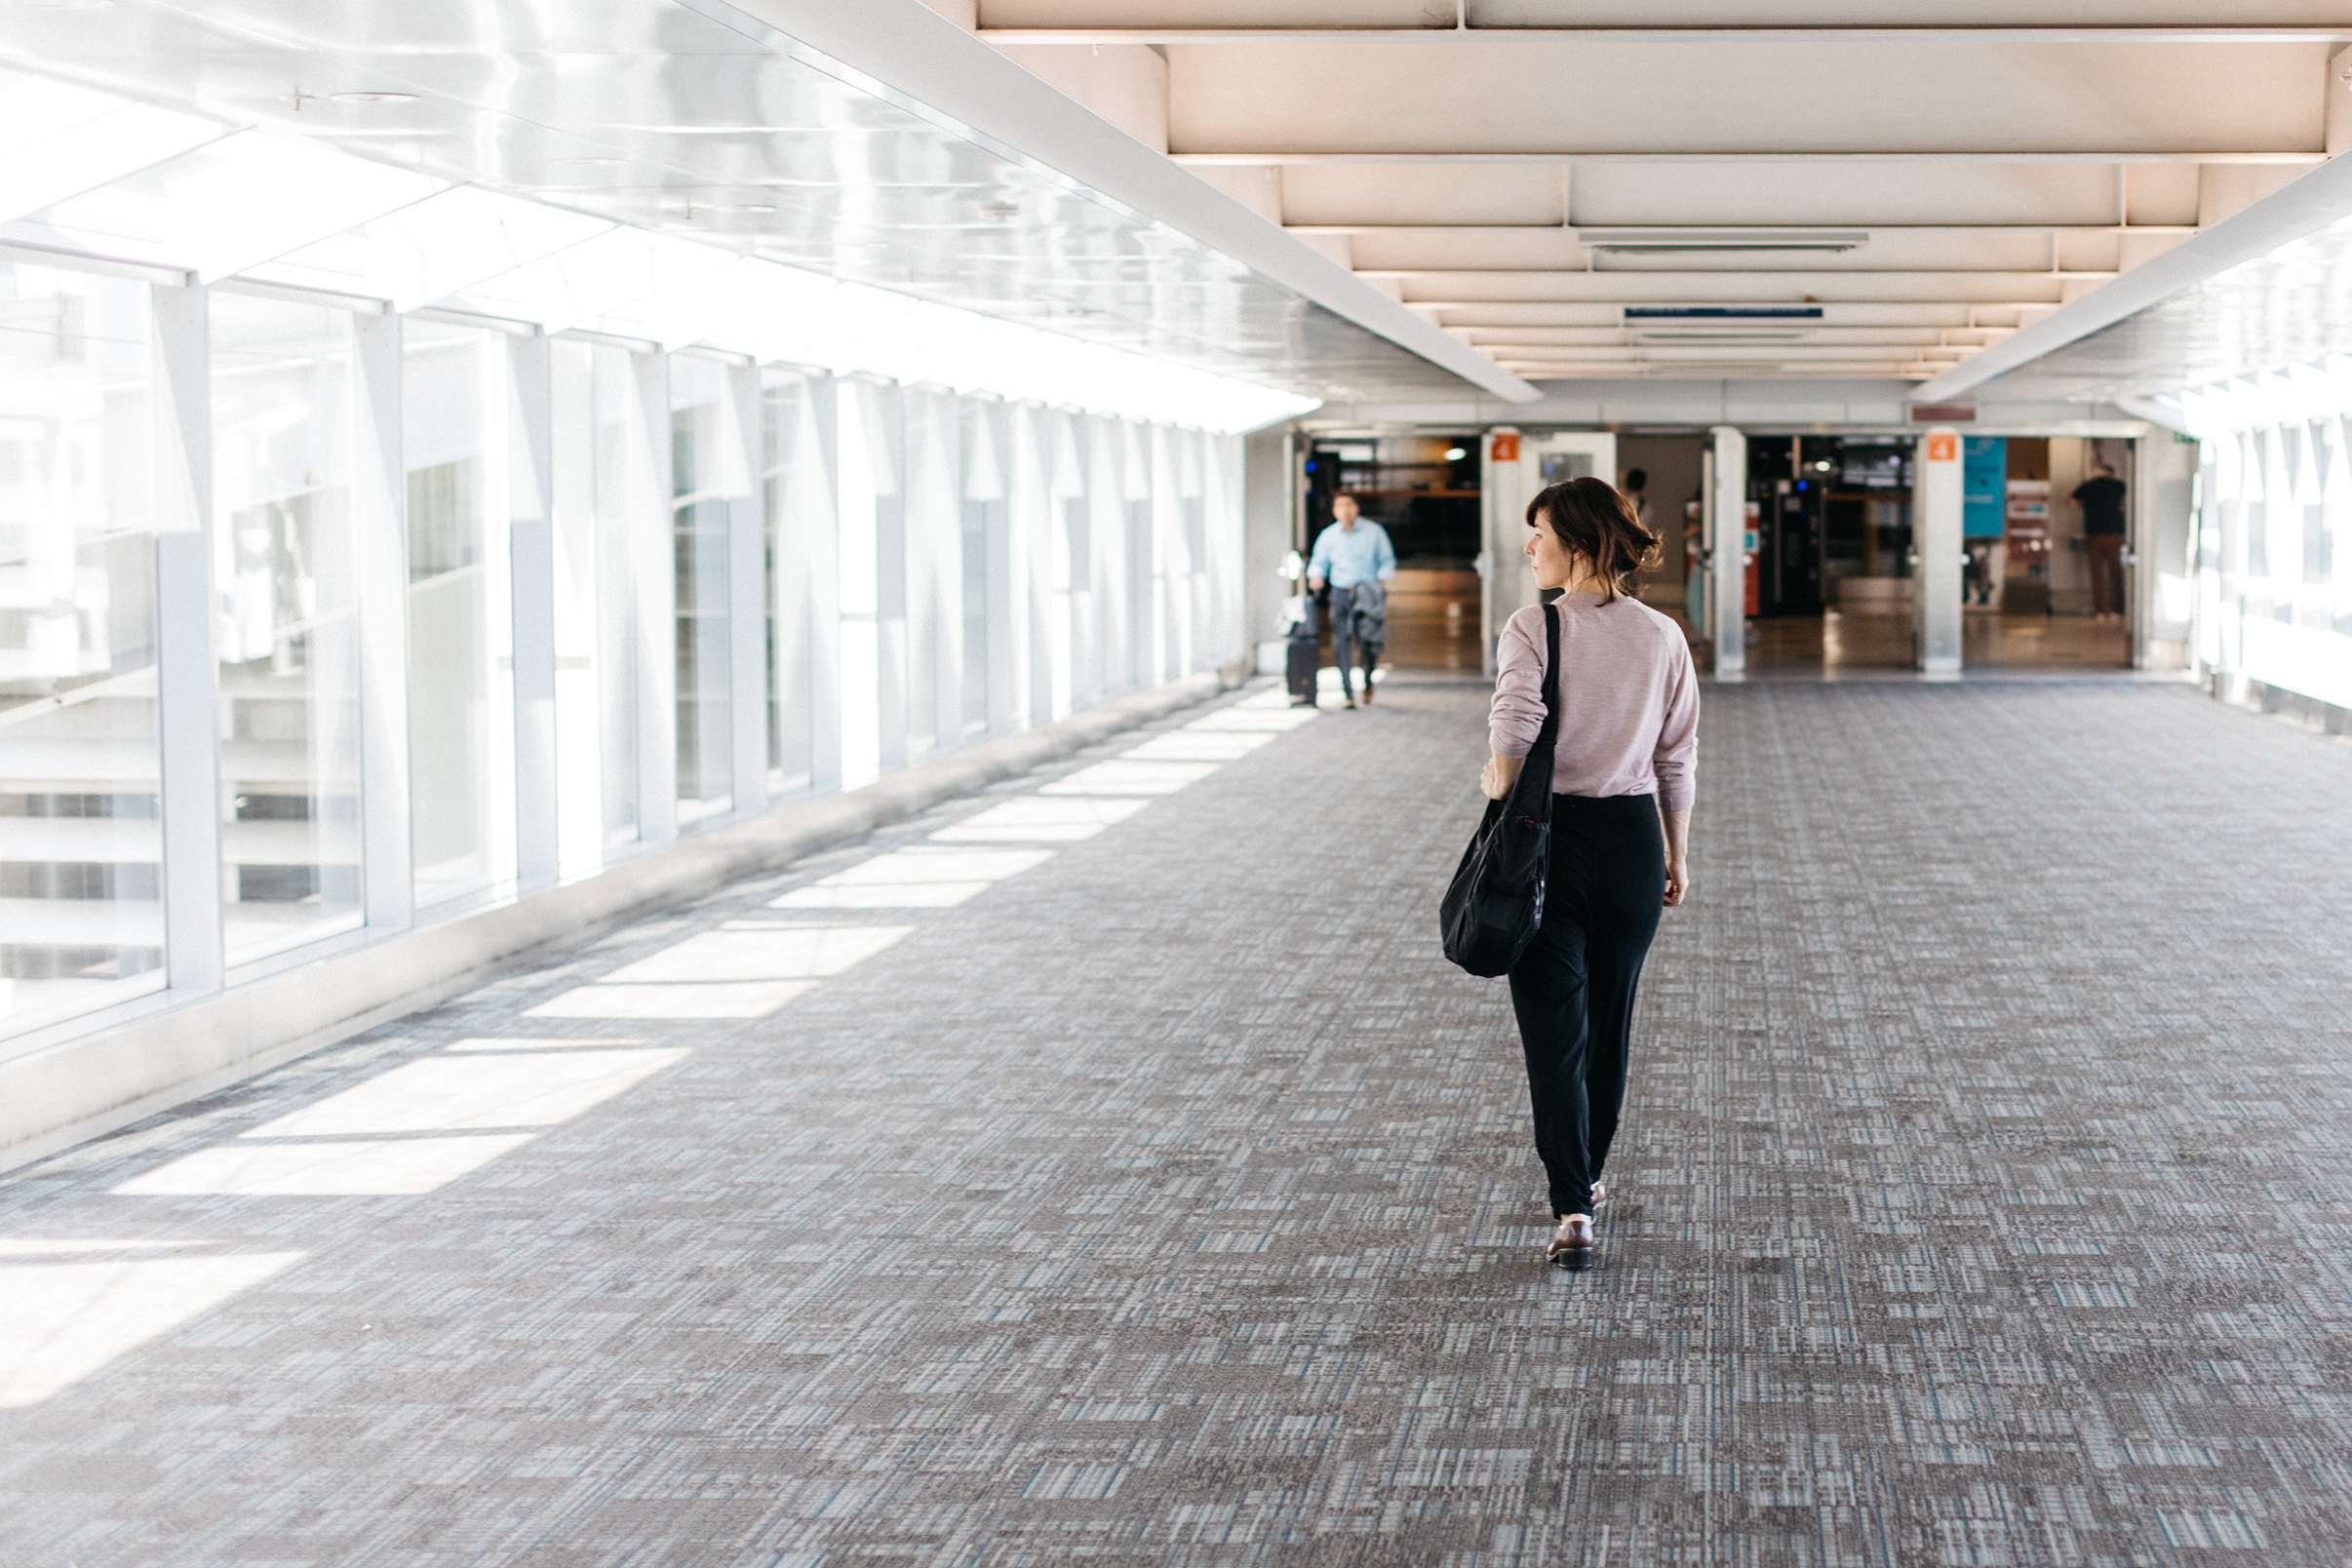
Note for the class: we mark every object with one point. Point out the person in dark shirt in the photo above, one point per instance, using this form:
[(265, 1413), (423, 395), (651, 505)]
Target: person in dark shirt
[(2101, 498)]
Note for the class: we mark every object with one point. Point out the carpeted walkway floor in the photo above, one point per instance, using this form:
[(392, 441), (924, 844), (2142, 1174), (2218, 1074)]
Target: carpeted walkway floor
[(1033, 1193)]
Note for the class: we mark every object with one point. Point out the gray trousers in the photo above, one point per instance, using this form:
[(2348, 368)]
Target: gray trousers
[(1346, 636)]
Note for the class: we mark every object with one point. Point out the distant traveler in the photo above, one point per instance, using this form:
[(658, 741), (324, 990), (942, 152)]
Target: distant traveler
[(1637, 490), (1355, 557), (1624, 754), (2101, 498)]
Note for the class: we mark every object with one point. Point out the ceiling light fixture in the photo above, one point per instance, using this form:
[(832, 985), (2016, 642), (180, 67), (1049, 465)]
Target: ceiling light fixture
[(1648, 242), (374, 97), (1640, 337)]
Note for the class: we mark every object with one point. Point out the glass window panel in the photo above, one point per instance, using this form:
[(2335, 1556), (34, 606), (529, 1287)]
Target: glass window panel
[(599, 451), (461, 725), (81, 924), (799, 502), (699, 511), (287, 644)]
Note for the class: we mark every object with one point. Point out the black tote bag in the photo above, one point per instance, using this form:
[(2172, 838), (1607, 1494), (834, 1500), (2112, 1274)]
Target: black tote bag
[(1495, 903)]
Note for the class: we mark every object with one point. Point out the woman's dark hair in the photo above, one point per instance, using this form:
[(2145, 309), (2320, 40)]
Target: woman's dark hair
[(1592, 517)]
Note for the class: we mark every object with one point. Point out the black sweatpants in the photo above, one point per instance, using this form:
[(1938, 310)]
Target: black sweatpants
[(1573, 988)]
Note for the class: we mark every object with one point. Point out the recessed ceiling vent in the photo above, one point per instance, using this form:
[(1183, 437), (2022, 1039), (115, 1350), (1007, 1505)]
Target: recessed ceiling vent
[(1657, 242)]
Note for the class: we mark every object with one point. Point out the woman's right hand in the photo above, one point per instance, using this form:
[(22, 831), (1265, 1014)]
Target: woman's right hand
[(1678, 880), (1500, 774)]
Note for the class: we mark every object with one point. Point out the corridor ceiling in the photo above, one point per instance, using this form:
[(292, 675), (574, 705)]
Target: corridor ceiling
[(1589, 188), (693, 121)]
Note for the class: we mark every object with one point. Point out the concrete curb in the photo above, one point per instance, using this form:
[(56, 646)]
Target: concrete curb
[(58, 1094)]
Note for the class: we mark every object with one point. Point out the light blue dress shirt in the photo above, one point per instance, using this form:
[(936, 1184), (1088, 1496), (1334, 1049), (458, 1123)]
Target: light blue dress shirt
[(1349, 557)]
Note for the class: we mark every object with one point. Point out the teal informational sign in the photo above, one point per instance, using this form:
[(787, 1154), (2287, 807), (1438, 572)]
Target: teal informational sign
[(1984, 487)]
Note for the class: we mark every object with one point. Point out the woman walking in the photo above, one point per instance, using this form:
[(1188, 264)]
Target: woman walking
[(1627, 743)]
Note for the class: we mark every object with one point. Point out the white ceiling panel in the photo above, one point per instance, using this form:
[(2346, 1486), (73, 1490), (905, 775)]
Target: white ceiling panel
[(2321, 14), (1424, 195), (1216, 14), (1861, 194), (1741, 287), (1807, 94), (1442, 249)]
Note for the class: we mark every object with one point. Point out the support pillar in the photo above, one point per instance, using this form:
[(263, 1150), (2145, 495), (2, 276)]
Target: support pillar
[(748, 674), (2162, 574), (1939, 569), (652, 530), (379, 539), (1734, 551), (530, 550), (187, 671)]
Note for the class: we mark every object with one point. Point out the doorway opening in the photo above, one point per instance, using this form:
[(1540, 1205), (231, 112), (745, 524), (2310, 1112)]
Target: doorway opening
[(1833, 580), (1424, 489)]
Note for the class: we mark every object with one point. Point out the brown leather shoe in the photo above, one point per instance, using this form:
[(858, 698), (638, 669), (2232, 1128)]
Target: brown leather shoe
[(1573, 1243)]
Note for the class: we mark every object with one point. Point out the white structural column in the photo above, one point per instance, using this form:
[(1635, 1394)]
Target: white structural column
[(655, 569), (1066, 500), (748, 673), (1028, 479), (1727, 515), (944, 540), (379, 538), (887, 451), (187, 672), (1504, 494), (1939, 577), (530, 550), (808, 575), (986, 476), (2164, 473)]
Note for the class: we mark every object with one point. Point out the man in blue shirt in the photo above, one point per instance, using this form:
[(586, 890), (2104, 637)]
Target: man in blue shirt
[(1355, 557)]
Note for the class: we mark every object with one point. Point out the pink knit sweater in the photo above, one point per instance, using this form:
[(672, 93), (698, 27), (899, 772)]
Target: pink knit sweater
[(1628, 699)]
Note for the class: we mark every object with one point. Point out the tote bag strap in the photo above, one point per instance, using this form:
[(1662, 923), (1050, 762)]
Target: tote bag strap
[(1552, 680)]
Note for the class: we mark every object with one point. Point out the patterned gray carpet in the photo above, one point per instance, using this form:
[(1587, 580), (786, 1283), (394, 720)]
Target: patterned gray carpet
[(1164, 1199)]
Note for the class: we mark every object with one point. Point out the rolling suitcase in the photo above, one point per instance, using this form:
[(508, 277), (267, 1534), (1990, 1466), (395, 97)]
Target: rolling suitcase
[(1306, 651)]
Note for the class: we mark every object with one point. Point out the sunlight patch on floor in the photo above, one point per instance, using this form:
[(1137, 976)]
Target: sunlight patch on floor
[(385, 1168), (1199, 746), (61, 1322), (1121, 776), (455, 1093), (1043, 818)]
